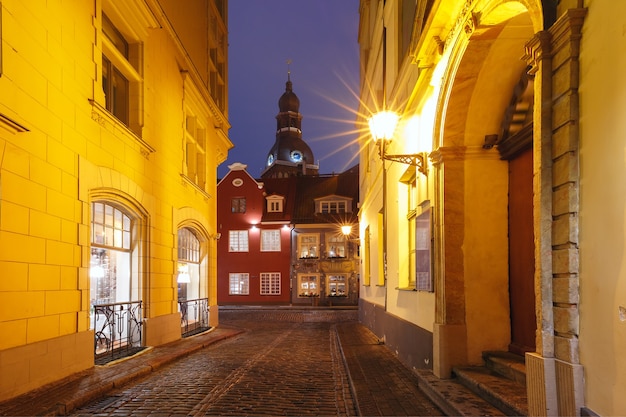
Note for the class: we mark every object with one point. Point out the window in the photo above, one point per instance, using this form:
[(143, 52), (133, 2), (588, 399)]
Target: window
[(333, 207), (308, 285), (110, 267), (270, 283), (239, 284), (121, 77), (333, 204), (336, 246), (337, 286), (238, 241), (188, 274), (238, 205), (308, 245), (367, 257), (275, 204), (424, 281), (270, 240), (195, 150)]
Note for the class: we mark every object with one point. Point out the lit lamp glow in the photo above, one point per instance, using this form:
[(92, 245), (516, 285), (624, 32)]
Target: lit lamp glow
[(383, 125), (346, 230)]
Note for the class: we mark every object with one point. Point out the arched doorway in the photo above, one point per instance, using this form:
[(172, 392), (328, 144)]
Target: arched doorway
[(486, 198)]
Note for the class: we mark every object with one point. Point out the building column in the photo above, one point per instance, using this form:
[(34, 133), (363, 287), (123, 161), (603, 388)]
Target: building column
[(554, 374), (450, 330)]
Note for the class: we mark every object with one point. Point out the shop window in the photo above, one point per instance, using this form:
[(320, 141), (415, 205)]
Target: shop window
[(308, 245), (270, 283), (110, 268), (337, 286), (308, 285), (270, 240), (238, 241), (239, 284), (238, 205), (336, 246), (188, 274)]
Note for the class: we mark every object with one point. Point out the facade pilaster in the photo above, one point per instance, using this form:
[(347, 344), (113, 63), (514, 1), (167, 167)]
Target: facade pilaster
[(554, 378), (450, 330)]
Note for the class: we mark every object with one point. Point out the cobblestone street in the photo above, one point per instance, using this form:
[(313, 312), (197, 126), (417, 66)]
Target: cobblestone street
[(276, 368)]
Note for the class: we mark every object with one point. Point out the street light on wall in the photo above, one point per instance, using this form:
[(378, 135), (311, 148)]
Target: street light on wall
[(382, 127)]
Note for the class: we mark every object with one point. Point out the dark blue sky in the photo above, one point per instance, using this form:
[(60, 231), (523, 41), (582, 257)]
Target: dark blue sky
[(320, 39)]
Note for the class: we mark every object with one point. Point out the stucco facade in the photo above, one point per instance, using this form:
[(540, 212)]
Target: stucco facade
[(514, 104), (113, 106)]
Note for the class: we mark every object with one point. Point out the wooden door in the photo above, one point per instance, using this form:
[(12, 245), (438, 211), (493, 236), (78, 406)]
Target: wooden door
[(521, 253)]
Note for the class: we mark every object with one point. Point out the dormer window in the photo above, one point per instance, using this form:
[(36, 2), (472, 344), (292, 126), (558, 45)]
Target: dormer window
[(333, 205), (275, 204)]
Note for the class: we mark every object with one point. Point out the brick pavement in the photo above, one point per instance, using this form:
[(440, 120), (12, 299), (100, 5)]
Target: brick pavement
[(381, 384)]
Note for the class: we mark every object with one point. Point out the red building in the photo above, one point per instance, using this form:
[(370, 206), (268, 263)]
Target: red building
[(282, 240)]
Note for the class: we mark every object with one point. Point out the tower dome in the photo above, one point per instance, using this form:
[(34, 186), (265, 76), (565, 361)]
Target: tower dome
[(289, 101), (290, 155)]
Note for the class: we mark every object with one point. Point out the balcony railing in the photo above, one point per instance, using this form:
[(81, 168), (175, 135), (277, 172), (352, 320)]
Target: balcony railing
[(117, 329), (194, 316)]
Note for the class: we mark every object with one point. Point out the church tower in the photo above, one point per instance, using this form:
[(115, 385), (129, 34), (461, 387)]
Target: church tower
[(290, 156)]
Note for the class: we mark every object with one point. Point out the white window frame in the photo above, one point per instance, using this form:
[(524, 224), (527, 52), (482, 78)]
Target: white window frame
[(270, 240), (239, 283), (238, 241), (275, 204), (305, 288), (195, 135), (338, 282), (270, 283), (336, 246), (312, 243)]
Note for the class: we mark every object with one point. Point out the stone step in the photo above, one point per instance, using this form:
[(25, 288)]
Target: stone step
[(453, 398), (505, 394), (507, 364)]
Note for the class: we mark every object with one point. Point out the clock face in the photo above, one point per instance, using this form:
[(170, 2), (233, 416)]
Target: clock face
[(296, 156), (270, 159)]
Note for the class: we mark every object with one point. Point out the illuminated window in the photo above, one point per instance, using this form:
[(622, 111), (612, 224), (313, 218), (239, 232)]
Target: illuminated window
[(336, 246), (238, 205), (239, 284), (270, 240), (337, 286), (238, 241), (188, 274), (308, 245), (367, 258), (270, 283), (308, 285)]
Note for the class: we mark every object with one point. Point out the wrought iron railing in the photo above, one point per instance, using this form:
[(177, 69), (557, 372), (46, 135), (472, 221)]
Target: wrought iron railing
[(118, 328), (194, 316)]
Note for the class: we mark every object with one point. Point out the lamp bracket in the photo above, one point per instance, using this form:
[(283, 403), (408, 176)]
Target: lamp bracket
[(416, 159)]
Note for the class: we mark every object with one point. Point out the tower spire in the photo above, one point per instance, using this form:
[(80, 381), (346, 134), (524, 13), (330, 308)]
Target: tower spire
[(288, 70)]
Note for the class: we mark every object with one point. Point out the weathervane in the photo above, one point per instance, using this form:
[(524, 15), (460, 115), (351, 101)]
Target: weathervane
[(288, 70)]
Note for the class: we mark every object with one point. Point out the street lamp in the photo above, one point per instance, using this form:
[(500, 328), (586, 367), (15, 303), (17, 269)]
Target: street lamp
[(382, 127)]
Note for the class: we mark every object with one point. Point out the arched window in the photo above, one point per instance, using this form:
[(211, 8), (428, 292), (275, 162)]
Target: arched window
[(188, 265), (110, 269)]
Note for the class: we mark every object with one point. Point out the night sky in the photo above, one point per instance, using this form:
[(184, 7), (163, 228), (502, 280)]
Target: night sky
[(320, 39)]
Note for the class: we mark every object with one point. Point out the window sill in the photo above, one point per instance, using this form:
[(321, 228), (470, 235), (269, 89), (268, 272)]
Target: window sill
[(406, 288), (101, 115)]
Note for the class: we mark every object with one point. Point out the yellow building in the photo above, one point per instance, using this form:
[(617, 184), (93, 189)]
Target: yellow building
[(113, 120), (495, 221)]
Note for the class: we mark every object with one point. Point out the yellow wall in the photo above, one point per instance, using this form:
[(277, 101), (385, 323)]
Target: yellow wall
[(603, 208), (57, 152)]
